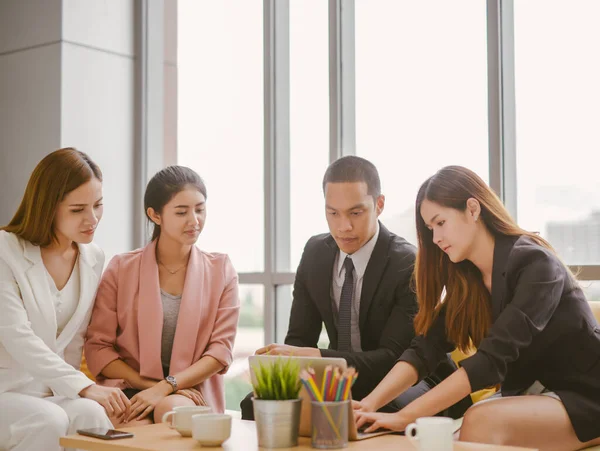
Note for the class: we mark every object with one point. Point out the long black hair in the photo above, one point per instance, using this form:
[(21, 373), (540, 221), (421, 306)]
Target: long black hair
[(165, 184)]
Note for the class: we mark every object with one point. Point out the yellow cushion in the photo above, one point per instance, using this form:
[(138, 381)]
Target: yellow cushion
[(84, 368), (480, 395)]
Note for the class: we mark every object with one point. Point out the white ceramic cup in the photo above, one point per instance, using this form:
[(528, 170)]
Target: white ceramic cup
[(432, 433), (211, 429), (182, 418)]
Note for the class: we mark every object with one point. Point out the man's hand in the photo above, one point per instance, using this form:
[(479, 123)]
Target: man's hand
[(276, 349)]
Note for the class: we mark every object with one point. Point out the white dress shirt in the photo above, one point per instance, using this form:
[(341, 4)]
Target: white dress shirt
[(360, 259)]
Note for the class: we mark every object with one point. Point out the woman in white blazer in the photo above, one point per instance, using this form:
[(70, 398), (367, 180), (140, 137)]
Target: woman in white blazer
[(49, 273)]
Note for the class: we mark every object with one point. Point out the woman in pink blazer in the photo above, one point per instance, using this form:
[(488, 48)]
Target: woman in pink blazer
[(165, 316)]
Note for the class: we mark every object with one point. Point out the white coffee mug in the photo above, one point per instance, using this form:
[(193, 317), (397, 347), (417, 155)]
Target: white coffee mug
[(211, 429), (182, 418), (432, 433)]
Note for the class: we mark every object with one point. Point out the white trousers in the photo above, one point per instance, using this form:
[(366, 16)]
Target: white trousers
[(28, 423)]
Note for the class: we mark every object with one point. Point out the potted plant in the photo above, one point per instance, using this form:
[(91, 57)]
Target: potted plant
[(276, 403)]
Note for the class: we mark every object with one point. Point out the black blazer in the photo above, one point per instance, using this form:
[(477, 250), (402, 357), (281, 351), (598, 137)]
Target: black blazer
[(387, 306), (542, 329)]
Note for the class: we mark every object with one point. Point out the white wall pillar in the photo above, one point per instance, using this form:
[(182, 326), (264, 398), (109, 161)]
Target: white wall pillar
[(98, 104), (68, 77), (30, 94)]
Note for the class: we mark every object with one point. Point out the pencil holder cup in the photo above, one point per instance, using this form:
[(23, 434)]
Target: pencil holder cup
[(329, 424)]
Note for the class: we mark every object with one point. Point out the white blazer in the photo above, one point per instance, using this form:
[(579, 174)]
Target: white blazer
[(32, 357)]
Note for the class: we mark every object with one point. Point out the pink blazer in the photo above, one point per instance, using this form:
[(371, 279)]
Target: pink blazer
[(127, 318)]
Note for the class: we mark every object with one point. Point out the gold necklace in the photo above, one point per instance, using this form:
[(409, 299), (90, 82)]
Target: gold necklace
[(170, 271)]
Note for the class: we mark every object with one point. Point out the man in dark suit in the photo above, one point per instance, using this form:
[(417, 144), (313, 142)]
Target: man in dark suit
[(357, 281)]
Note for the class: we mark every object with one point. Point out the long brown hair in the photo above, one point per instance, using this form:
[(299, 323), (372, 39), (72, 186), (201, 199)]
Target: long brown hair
[(466, 299), (59, 173)]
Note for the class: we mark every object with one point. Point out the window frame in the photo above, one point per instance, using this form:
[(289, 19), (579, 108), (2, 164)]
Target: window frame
[(342, 128)]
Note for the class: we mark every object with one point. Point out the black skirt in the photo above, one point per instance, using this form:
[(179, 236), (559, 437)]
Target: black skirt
[(131, 392)]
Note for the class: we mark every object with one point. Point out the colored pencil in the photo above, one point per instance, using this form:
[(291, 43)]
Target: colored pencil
[(325, 381), (349, 381), (309, 381), (335, 386)]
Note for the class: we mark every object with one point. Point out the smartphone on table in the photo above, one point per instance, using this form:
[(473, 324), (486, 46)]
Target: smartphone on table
[(105, 433)]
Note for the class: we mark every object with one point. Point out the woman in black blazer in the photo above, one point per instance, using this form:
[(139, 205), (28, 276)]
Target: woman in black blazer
[(484, 282)]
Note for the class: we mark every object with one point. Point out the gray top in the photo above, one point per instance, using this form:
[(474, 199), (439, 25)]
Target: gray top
[(170, 313)]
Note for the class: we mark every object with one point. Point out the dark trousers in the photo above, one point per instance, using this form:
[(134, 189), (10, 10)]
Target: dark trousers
[(131, 392), (407, 397), (456, 411)]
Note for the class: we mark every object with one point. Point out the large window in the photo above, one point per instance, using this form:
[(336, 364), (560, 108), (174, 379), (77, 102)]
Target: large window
[(270, 92), (220, 121), (309, 121), (558, 112), (421, 95), (220, 136)]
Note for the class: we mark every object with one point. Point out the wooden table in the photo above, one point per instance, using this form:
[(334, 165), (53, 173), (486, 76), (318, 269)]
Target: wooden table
[(243, 438)]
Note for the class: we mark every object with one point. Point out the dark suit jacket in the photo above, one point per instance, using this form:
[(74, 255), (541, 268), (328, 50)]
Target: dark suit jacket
[(387, 306), (543, 329)]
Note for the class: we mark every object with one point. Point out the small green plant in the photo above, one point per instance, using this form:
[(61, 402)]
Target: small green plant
[(279, 381)]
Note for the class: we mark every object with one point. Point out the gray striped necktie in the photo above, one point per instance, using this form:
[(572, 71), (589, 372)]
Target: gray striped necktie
[(345, 308)]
